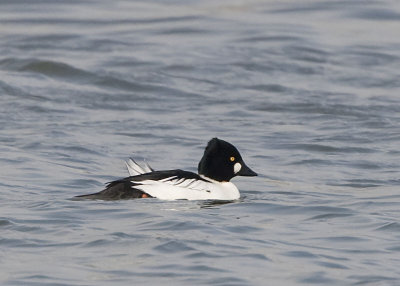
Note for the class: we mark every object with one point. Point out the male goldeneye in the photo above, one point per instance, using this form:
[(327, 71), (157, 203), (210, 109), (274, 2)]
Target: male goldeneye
[(220, 163)]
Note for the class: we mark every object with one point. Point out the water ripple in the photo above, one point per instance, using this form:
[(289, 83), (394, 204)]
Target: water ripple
[(307, 91)]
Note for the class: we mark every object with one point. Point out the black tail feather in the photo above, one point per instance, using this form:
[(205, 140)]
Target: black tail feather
[(117, 190)]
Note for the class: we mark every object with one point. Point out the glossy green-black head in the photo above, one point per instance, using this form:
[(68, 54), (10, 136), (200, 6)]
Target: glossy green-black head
[(222, 161)]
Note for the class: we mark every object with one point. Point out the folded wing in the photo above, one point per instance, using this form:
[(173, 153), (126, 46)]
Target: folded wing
[(167, 185)]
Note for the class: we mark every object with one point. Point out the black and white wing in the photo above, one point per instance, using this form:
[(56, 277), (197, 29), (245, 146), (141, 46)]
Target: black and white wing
[(178, 185), (167, 185)]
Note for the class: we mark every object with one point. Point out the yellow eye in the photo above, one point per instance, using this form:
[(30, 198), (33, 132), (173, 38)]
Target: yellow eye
[(232, 159)]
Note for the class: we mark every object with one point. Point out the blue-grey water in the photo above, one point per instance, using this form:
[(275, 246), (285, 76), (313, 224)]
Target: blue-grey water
[(309, 92)]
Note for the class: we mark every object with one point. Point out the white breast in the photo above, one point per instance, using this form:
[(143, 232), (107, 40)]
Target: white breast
[(188, 189)]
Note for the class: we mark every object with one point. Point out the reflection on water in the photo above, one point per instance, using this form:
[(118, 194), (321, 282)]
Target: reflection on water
[(216, 204)]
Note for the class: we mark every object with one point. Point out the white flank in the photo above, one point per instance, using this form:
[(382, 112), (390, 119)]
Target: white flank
[(189, 189)]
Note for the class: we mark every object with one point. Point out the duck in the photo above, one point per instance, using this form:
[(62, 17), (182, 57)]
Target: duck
[(220, 163)]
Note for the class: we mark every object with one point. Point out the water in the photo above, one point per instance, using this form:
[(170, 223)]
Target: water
[(309, 91)]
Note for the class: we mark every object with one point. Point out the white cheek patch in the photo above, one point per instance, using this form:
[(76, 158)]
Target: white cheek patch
[(236, 168)]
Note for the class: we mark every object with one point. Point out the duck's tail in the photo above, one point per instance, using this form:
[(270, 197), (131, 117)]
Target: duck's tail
[(135, 169)]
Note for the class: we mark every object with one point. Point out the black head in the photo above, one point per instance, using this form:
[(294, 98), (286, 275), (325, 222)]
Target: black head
[(222, 161)]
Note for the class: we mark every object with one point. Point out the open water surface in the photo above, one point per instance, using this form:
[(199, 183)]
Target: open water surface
[(309, 92)]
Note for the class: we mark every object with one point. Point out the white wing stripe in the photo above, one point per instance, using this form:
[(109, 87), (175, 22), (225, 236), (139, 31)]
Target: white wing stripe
[(192, 184)]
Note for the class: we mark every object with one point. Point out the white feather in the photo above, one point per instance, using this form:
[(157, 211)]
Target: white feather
[(147, 167), (188, 189), (236, 168), (135, 169)]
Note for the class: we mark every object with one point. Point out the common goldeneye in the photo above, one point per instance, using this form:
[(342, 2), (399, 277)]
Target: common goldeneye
[(220, 163)]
